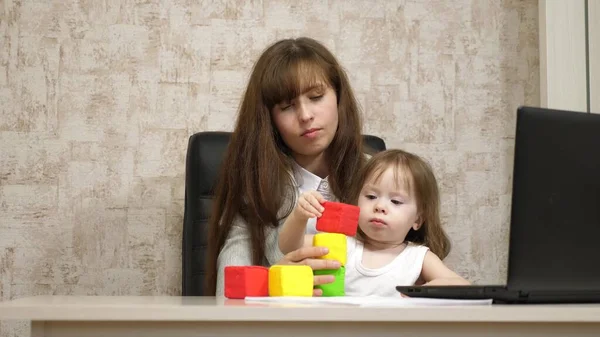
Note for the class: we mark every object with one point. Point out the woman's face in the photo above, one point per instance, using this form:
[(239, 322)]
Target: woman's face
[(308, 123)]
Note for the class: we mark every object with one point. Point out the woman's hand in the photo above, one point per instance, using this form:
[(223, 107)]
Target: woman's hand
[(309, 205), (309, 256)]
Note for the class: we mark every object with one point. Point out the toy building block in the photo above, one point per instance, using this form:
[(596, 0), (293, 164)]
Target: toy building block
[(338, 218), (291, 280), (335, 242), (337, 287), (242, 281)]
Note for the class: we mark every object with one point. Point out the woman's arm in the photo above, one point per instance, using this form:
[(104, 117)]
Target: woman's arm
[(435, 272), (237, 251)]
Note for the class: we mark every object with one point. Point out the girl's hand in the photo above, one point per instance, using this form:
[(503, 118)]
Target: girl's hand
[(309, 205)]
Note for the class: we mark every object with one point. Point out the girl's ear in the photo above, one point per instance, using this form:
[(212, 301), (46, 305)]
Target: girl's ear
[(418, 223)]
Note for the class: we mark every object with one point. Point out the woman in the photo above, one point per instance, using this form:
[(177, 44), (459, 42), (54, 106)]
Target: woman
[(298, 129)]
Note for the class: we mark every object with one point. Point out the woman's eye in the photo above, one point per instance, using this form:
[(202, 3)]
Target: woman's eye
[(316, 98), (285, 107)]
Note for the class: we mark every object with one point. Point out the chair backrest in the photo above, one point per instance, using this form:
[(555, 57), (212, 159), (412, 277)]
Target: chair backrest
[(204, 156)]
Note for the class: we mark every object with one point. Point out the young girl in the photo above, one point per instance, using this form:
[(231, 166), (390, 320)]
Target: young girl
[(400, 240)]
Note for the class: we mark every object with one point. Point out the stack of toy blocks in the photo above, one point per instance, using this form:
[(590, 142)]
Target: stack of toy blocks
[(337, 221)]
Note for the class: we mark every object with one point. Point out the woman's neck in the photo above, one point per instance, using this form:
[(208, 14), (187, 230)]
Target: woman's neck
[(316, 165)]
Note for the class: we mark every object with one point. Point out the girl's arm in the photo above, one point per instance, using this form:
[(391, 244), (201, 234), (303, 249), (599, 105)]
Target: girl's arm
[(291, 234), (435, 272)]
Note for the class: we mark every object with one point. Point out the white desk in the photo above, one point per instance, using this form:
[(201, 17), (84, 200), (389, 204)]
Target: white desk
[(66, 316)]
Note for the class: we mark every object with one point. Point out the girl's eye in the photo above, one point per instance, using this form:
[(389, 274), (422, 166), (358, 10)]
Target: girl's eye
[(397, 202), (370, 196)]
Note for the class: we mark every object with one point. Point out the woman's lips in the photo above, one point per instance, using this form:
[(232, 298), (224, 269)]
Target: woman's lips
[(311, 133)]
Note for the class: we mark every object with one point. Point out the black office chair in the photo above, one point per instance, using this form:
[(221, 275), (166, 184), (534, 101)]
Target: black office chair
[(204, 155)]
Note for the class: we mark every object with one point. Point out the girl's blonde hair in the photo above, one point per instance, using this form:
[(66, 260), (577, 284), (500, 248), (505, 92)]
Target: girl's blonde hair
[(418, 174)]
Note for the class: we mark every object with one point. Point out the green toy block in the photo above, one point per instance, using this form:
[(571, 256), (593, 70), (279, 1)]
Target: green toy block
[(336, 288)]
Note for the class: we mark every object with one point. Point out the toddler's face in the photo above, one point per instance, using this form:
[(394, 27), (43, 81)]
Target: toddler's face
[(388, 209)]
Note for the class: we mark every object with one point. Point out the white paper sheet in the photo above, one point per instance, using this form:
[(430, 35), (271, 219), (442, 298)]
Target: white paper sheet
[(368, 301)]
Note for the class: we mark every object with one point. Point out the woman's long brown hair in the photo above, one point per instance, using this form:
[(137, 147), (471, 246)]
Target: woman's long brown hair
[(419, 177), (255, 176)]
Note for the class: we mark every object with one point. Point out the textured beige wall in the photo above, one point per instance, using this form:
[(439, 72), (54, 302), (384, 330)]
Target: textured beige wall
[(98, 98)]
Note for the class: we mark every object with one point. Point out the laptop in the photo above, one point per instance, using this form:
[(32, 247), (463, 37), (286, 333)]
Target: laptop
[(554, 240)]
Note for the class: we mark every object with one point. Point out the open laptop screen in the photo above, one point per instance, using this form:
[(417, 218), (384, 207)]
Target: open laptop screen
[(555, 229)]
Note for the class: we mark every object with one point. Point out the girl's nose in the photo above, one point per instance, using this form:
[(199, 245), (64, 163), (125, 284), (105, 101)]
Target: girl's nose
[(380, 209)]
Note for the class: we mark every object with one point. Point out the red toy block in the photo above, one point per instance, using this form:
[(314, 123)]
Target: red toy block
[(242, 281), (339, 218)]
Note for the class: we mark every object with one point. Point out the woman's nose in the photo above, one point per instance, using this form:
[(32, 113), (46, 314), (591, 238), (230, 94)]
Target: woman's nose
[(305, 114)]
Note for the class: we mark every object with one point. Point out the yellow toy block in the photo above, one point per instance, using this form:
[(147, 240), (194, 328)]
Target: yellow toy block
[(336, 242), (290, 280)]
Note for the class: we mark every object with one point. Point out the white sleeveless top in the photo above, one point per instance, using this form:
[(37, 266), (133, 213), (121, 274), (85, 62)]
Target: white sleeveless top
[(404, 270)]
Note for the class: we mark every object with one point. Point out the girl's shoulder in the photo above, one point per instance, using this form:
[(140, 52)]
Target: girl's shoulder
[(416, 245), (416, 248)]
